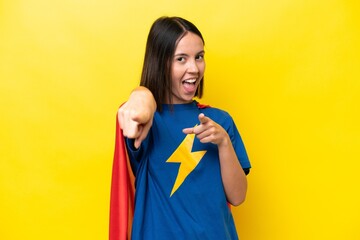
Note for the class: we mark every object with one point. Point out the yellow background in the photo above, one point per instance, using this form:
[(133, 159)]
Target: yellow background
[(287, 71)]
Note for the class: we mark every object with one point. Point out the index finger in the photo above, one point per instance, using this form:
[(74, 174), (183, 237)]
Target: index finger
[(131, 129)]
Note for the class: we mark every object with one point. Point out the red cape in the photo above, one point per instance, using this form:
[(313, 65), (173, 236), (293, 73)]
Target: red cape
[(122, 191)]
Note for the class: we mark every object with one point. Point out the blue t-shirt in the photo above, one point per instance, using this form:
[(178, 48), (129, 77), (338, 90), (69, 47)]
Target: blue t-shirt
[(179, 191)]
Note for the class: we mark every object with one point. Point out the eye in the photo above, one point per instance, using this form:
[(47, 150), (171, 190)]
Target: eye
[(180, 59), (200, 57)]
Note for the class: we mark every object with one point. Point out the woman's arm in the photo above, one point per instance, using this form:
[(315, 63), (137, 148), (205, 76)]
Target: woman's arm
[(233, 176), (136, 115)]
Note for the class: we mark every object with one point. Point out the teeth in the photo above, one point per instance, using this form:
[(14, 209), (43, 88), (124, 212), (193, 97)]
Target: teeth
[(190, 81)]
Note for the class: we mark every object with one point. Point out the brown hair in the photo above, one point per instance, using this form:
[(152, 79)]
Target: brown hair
[(163, 37)]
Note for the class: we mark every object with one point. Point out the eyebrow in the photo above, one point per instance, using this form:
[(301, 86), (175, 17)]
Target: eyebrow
[(184, 54)]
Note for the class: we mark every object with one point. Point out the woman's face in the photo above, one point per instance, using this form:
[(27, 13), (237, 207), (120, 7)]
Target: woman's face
[(187, 68)]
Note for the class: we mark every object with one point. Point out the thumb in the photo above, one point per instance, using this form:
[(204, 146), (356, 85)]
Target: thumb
[(202, 118), (140, 117)]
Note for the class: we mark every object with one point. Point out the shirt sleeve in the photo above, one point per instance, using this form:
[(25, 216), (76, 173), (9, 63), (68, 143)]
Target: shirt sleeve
[(137, 155), (239, 146)]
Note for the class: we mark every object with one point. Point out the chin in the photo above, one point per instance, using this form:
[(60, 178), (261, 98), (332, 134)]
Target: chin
[(188, 100)]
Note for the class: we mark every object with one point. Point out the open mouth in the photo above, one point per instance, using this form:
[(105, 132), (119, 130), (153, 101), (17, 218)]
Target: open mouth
[(189, 81), (190, 85)]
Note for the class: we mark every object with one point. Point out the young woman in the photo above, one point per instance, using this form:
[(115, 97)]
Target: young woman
[(188, 159)]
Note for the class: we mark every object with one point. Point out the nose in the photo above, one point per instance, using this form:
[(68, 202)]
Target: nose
[(193, 67)]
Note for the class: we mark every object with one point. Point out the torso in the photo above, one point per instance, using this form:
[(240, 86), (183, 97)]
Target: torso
[(179, 191)]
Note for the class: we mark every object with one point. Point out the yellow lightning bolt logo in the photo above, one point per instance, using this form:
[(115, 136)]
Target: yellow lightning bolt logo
[(188, 160)]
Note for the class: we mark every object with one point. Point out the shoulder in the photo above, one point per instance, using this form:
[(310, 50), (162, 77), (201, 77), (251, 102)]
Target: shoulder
[(221, 117), (214, 112)]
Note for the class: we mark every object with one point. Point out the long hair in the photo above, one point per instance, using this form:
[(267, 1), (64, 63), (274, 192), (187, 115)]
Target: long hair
[(162, 40)]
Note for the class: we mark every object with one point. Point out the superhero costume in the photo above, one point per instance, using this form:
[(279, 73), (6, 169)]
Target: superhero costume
[(179, 191)]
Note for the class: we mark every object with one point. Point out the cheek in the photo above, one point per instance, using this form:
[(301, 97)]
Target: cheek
[(176, 74)]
